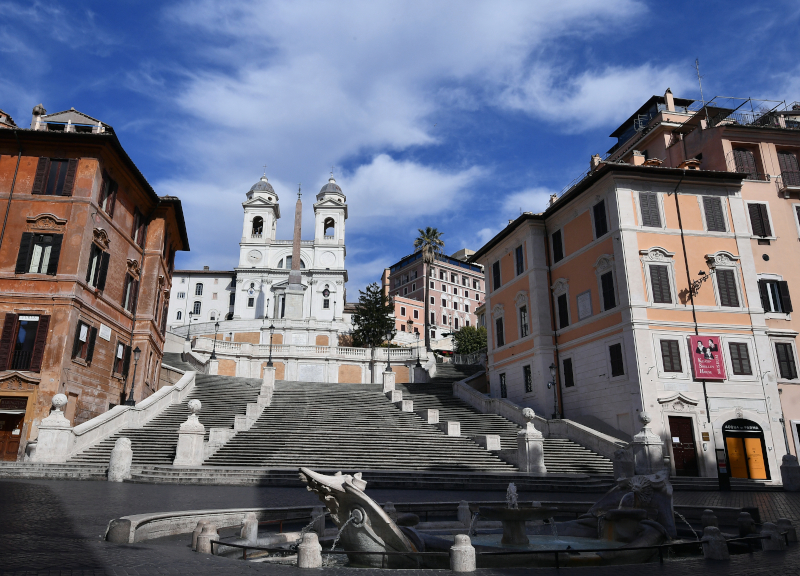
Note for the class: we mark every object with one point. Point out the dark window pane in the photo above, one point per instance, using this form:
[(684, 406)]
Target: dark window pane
[(520, 260), (600, 221), (671, 355), (715, 221), (503, 389), (500, 336), (496, 275), (569, 378), (726, 283), (563, 311), (659, 282), (55, 180), (759, 219), (617, 365), (558, 248), (786, 363), (609, 298), (528, 378)]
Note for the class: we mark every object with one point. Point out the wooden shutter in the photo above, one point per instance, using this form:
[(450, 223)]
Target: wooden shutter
[(790, 170), (101, 277), (671, 355), (55, 254), (609, 298), (112, 198), (762, 291), (40, 180), (126, 363), (24, 253), (69, 180), (759, 219), (7, 339), (76, 344), (715, 221), (786, 300), (90, 348), (648, 202), (39, 344), (726, 283), (745, 162), (740, 359), (659, 282), (786, 364), (569, 377)]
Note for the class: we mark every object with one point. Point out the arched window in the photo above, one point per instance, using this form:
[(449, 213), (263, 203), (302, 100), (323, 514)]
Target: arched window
[(180, 315), (330, 227), (302, 264), (212, 317), (280, 264), (288, 262), (198, 290), (196, 309), (258, 226)]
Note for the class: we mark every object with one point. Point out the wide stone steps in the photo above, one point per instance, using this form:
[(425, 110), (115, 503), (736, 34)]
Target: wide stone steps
[(222, 398), (348, 426), (560, 455)]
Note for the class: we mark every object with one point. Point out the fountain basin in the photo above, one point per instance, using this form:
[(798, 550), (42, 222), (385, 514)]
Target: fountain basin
[(513, 520)]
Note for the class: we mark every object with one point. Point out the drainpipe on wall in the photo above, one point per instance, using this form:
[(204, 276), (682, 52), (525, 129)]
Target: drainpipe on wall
[(13, 185)]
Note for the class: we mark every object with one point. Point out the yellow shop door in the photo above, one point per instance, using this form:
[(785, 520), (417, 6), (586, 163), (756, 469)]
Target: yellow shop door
[(755, 458), (737, 457)]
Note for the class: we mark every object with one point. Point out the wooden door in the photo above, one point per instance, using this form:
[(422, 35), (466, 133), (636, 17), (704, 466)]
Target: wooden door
[(684, 451), (755, 458), (10, 435), (737, 457)]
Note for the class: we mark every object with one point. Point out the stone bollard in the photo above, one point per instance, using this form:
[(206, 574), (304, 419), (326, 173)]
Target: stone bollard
[(714, 545), (250, 528), (196, 533), (395, 396), (55, 435), (790, 473), (429, 415), (390, 511), (207, 534), (462, 554), (450, 428), (119, 466), (708, 518), (776, 540), (405, 405), (309, 552), (648, 449), (318, 519), (489, 441), (191, 434), (785, 525), (464, 513), (530, 446), (746, 524), (388, 381)]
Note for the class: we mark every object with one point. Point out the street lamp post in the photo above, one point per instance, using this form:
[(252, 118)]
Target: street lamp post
[(388, 357), (552, 384), (136, 353), (189, 331), (214, 349), (271, 332), (416, 335)]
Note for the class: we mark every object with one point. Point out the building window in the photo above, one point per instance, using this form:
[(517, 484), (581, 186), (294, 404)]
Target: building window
[(326, 303), (416, 314), (496, 275), (413, 286), (198, 290), (196, 308), (466, 293), (607, 286), (137, 232), (55, 177), (503, 389), (444, 319), (726, 285), (745, 162), (523, 321), (402, 310), (433, 317), (659, 284), (466, 322), (466, 307), (232, 299), (786, 363), (23, 341), (433, 285), (715, 220), (775, 296), (213, 295), (179, 315), (600, 220), (433, 300), (671, 356), (790, 169), (456, 324), (648, 203), (38, 253), (563, 311), (181, 295), (476, 285), (121, 358), (444, 303), (83, 346), (617, 364), (500, 335), (527, 377), (258, 227), (251, 302), (130, 295), (519, 260), (453, 278), (558, 248), (759, 219), (455, 291), (569, 377), (98, 268), (405, 290), (402, 327), (442, 275), (455, 305), (740, 359), (108, 194)]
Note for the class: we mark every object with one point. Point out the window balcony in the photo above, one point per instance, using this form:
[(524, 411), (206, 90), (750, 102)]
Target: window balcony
[(789, 182), (21, 360)]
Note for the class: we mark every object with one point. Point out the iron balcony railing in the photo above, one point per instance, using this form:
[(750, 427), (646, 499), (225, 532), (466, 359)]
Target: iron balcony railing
[(21, 360)]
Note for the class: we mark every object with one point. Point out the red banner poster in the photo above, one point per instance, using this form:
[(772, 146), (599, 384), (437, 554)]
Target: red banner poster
[(706, 354)]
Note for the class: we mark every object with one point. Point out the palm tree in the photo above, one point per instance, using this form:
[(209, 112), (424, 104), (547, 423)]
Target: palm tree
[(430, 243)]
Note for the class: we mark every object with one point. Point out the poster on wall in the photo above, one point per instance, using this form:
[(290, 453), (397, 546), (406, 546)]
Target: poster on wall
[(706, 354)]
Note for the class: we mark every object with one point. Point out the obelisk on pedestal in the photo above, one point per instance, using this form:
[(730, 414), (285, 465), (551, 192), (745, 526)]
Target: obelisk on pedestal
[(294, 293)]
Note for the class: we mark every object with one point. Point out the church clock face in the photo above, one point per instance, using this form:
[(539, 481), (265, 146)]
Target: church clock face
[(254, 256)]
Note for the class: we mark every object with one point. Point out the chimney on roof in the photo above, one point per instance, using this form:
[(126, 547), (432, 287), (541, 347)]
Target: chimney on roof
[(669, 100), (594, 163), (205, 268), (38, 111), (553, 198), (638, 158)]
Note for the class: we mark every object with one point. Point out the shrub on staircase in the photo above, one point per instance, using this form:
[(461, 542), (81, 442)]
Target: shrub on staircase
[(470, 339), (373, 319)]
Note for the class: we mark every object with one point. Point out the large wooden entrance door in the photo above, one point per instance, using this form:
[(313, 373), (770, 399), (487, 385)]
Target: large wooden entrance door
[(10, 435), (684, 451), (744, 442)]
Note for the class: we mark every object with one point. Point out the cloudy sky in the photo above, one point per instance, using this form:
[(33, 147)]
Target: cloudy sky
[(452, 114)]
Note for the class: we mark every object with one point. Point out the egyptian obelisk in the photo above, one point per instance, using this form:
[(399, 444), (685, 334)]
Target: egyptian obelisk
[(295, 292)]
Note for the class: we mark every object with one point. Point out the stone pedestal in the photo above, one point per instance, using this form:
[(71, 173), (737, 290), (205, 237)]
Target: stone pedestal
[(388, 381), (420, 375), (249, 531), (119, 466), (462, 554), (191, 433), (213, 367), (785, 525), (309, 552), (708, 518), (405, 405), (207, 534), (488, 441), (714, 545), (776, 541), (623, 464), (55, 435), (198, 529), (450, 428), (429, 415), (648, 449), (530, 446), (294, 302), (394, 396), (268, 382), (790, 473)]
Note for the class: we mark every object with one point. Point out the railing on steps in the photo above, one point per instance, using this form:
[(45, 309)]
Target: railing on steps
[(306, 351), (474, 358)]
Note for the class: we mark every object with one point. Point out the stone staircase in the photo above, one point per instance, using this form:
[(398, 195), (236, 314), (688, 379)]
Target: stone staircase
[(560, 455), (350, 427), (222, 398)]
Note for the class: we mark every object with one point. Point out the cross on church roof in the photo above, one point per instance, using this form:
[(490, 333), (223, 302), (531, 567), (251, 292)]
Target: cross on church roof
[(265, 169), (298, 192)]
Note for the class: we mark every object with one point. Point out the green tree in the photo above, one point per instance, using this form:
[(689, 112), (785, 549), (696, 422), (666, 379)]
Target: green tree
[(470, 339), (373, 319), (430, 243)]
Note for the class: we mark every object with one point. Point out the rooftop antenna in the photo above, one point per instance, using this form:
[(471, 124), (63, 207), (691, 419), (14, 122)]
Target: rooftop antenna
[(331, 171), (699, 80)]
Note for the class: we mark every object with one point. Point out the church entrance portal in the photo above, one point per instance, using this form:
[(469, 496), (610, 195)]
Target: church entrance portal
[(745, 447)]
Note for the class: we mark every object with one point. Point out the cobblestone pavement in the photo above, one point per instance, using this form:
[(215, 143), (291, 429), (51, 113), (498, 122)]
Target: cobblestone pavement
[(56, 527)]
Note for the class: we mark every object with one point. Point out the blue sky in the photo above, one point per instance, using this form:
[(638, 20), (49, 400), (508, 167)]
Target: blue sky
[(447, 114)]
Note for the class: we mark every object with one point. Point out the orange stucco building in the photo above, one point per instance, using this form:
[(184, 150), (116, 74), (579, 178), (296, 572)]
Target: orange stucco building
[(86, 259)]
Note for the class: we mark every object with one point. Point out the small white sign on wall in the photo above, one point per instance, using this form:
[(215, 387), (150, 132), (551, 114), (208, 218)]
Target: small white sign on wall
[(584, 305), (105, 332)]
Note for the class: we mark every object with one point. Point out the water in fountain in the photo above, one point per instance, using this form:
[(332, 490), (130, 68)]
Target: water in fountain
[(511, 496), (554, 528), (308, 527), (679, 515), (336, 540), (473, 531)]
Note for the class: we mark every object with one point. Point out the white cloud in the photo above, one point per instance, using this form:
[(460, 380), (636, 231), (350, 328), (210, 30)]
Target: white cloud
[(528, 200)]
